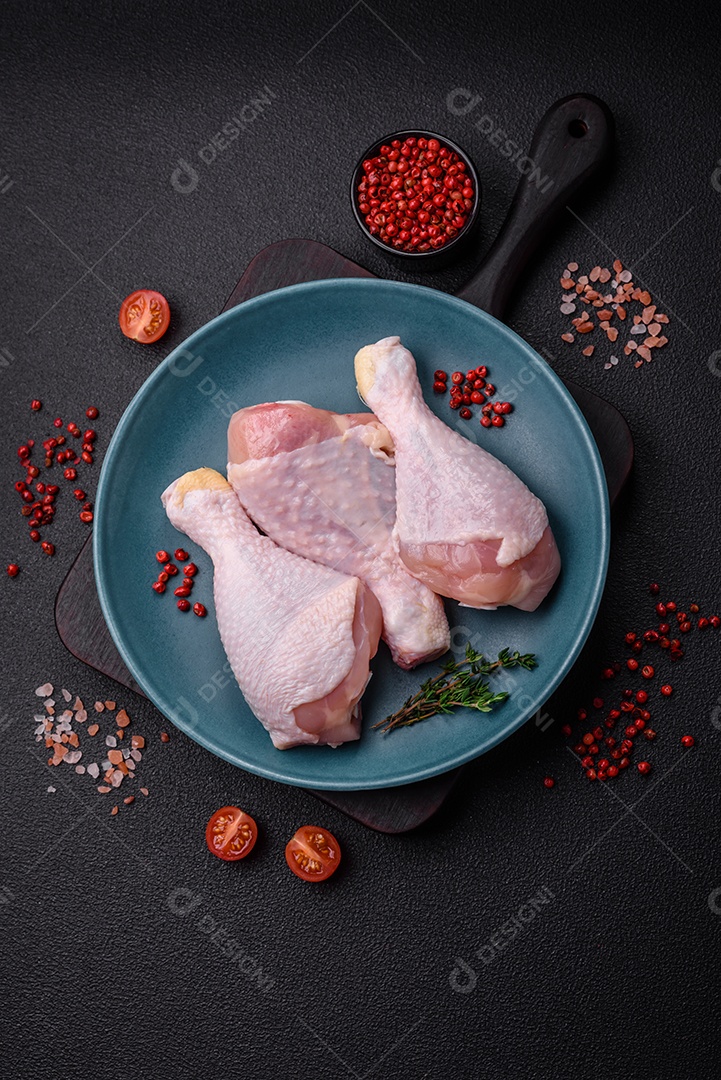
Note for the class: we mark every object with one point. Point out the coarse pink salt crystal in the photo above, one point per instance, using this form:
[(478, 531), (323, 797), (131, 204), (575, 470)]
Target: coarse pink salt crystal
[(45, 690)]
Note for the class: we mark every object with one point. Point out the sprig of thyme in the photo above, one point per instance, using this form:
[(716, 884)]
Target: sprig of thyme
[(459, 685)]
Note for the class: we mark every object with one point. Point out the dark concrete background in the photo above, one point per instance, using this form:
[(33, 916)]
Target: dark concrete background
[(105, 973)]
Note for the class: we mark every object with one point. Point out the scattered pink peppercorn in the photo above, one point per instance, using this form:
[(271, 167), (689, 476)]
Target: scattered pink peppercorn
[(687, 741), (644, 767), (548, 781), (13, 569)]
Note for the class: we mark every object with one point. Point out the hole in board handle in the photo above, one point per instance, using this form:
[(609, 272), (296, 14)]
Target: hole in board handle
[(578, 128)]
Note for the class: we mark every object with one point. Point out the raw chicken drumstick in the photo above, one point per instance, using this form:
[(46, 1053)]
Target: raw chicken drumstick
[(322, 484), (298, 636), (466, 525)]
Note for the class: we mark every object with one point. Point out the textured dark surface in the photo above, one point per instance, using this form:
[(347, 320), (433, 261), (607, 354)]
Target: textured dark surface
[(618, 974)]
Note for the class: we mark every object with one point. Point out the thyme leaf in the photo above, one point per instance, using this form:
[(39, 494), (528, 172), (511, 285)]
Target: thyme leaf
[(459, 685)]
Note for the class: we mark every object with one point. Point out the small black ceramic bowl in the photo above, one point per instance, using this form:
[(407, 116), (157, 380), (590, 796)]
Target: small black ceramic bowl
[(436, 257)]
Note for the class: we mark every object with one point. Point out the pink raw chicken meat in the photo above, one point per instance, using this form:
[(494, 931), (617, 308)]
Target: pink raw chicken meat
[(299, 637), (322, 484), (466, 524)]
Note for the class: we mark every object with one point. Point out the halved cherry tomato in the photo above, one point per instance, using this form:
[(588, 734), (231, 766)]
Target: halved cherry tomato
[(231, 833), (144, 316), (313, 854)]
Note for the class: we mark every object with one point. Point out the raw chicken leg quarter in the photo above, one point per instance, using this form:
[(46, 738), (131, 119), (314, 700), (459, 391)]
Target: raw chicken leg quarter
[(299, 637), (322, 484), (491, 545)]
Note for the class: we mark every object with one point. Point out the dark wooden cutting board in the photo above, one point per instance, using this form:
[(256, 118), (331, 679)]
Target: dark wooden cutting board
[(564, 155), (80, 621)]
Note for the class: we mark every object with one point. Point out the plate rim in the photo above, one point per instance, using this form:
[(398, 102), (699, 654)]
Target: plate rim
[(417, 774)]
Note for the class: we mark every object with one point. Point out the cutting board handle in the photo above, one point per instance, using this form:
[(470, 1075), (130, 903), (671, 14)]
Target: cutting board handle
[(572, 141)]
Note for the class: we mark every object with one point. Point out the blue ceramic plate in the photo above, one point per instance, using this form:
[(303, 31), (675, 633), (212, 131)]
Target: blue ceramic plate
[(299, 343)]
